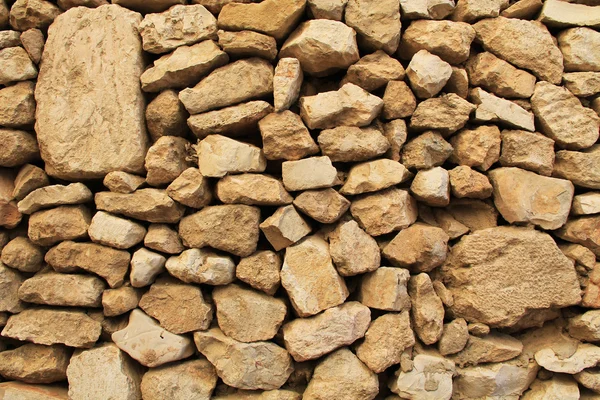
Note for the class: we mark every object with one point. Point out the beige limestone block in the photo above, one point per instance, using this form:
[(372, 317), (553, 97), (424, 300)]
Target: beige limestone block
[(583, 230), (586, 326), (163, 238), (233, 121), (119, 301), (146, 265), (558, 387), (432, 187), (524, 9), (430, 377), (491, 348), (191, 189), (23, 391), (499, 77), (427, 309), (56, 289), (478, 147), (116, 232), (351, 144), (427, 74), (219, 155), (466, 182), (19, 147), (28, 179), (419, 248), (55, 195), (579, 253), (495, 109), (287, 82), (374, 71), (372, 176), (261, 271), (353, 251), (472, 10), (166, 159), (385, 289), (17, 105), (376, 23), (193, 379), (528, 150), (10, 282), (560, 14), (324, 205), (581, 168), (585, 204), (248, 44), (27, 14), (202, 266), (425, 151), (327, 9), (22, 254), (398, 100), (426, 9), (123, 182), (309, 173), (446, 114), (384, 211), (10, 216), (285, 227), (16, 65), (579, 47), (585, 356), (48, 227), (35, 363), (252, 189), (285, 137), (166, 116), (152, 205), (582, 84)]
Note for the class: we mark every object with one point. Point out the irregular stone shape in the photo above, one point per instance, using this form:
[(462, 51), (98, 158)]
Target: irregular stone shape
[(353, 251), (579, 47), (426, 9), (115, 232), (22, 391), (585, 356), (5, 14), (525, 197), (67, 4), (495, 347), (191, 189), (33, 41), (34, 363), (179, 26), (123, 182), (28, 179), (327, 9), (396, 132), (163, 238), (22, 254), (248, 44), (458, 82), (385, 289), (287, 82), (252, 366), (246, 315), (230, 121), (10, 216), (454, 338), (583, 230), (420, 248), (374, 71), (325, 205), (119, 301), (426, 151), (527, 150), (19, 147), (350, 144), (432, 186), (586, 326), (398, 101), (525, 44), (166, 160), (427, 74), (261, 271), (373, 176), (582, 84), (56, 289), (475, 214), (152, 205), (202, 266), (166, 116), (252, 189), (231, 228), (470, 10), (183, 67), (580, 254), (501, 379), (377, 24), (309, 173), (71, 328), (589, 379), (68, 256), (234, 83), (16, 65), (219, 155), (178, 307), (446, 114), (27, 14), (113, 133), (385, 211), (499, 77), (559, 14), (451, 41), (495, 109), (285, 227), (585, 204), (465, 182), (310, 279), (145, 6), (427, 309), (563, 118), (479, 147), (17, 105), (559, 387), (524, 9), (10, 281), (581, 168), (520, 281), (430, 377), (285, 137), (55, 195), (449, 224), (145, 267), (323, 47), (9, 38), (51, 226), (186, 380)]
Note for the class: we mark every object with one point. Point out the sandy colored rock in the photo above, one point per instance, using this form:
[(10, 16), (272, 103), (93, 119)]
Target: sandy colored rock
[(479, 147), (451, 41), (446, 114), (582, 84), (427, 74), (353, 251), (113, 133), (116, 232), (385, 211), (261, 271), (19, 148), (310, 279), (69, 256), (166, 160), (527, 150), (183, 67), (10, 216), (5, 14), (10, 282), (186, 380), (27, 14), (252, 189), (502, 379), (342, 375), (28, 179), (16, 65), (351, 144), (430, 377), (34, 363), (377, 24), (525, 44), (491, 348), (396, 133), (427, 309), (33, 41), (309, 173), (454, 338), (123, 182), (585, 204), (146, 265), (285, 137), (579, 253), (231, 228), (22, 254), (579, 47), (219, 155), (584, 231), (374, 71), (286, 83), (541, 282), (585, 356), (179, 26), (55, 195), (191, 189), (385, 289), (586, 326), (166, 116), (495, 109), (499, 77), (56, 289), (163, 238), (119, 301), (559, 14), (426, 9), (9, 38), (325, 205), (66, 4), (420, 248), (398, 100), (524, 9), (230, 121), (285, 227), (327, 9), (525, 197), (323, 47), (559, 387), (589, 379), (466, 182), (350, 106), (51, 226), (71, 328), (147, 6), (425, 151), (449, 224), (17, 105), (432, 186), (472, 10), (581, 168), (252, 366), (458, 82), (23, 391), (248, 44), (202, 266), (152, 205)]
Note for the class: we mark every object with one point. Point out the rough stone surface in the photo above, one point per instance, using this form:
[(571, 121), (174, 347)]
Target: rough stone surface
[(560, 14), (579, 48), (353, 251), (230, 121), (123, 182), (499, 77), (385, 289), (119, 301), (17, 105), (585, 356), (466, 182), (398, 100), (163, 238), (285, 137), (56, 289), (374, 71), (385, 211), (351, 144), (10, 282), (145, 6), (261, 271), (430, 377), (152, 205), (427, 74), (16, 65), (454, 338), (446, 114), (287, 82), (427, 9), (583, 230), (494, 347), (28, 14), (146, 265), (115, 232), (33, 41), (28, 179), (187, 380), (495, 109), (528, 150), (377, 24), (252, 189), (581, 168), (34, 363), (202, 266), (51, 226), (22, 254), (479, 147), (166, 160), (472, 10), (327, 9), (427, 309), (585, 204), (54, 195), (373, 176), (582, 84), (219, 155), (309, 173), (191, 189), (166, 116), (426, 151), (248, 44), (285, 227), (432, 187), (20, 148), (324, 205), (419, 248)]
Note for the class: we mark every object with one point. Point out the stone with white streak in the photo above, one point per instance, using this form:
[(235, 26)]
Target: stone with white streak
[(286, 83), (219, 155), (557, 13), (585, 204), (495, 109), (385, 289), (427, 74)]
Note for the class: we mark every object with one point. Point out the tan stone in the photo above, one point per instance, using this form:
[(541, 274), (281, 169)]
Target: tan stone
[(586, 326), (27, 14), (446, 114), (398, 100), (147, 6), (583, 230), (261, 271), (581, 168), (449, 224), (285, 227), (385, 289), (499, 77), (152, 205), (327, 9), (183, 67), (114, 135), (166, 116), (559, 387), (191, 189), (5, 14), (163, 238), (145, 341), (186, 380), (22, 254), (385, 211), (351, 144), (395, 132), (430, 377), (248, 44), (472, 10), (479, 147), (579, 253), (579, 47), (427, 150), (252, 189), (8, 38), (310, 279), (582, 84), (55, 195), (116, 232), (465, 182), (426, 9), (420, 248), (309, 173), (559, 14), (260, 365), (219, 155), (28, 179), (56, 289), (374, 71), (585, 204), (495, 109), (585, 356), (119, 301), (123, 182), (234, 83), (33, 41), (66, 4), (589, 379), (432, 186), (285, 137), (17, 105), (377, 24), (230, 121), (202, 266), (427, 309), (34, 363), (524, 9), (69, 256), (325, 205), (10, 216), (146, 265), (323, 47), (166, 160), (51, 226), (427, 74), (458, 83), (353, 251), (287, 82), (16, 65), (10, 282), (23, 391), (72, 328), (494, 347), (479, 275), (509, 380), (19, 147), (454, 338), (531, 151)]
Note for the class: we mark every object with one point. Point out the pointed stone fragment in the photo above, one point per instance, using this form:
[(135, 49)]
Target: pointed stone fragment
[(202, 266), (191, 189), (29, 179), (427, 309), (495, 109), (152, 205), (427, 74), (145, 266), (353, 251), (287, 82), (248, 44), (385, 289), (123, 182)]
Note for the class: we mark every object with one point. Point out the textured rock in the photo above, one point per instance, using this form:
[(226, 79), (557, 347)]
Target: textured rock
[(374, 71), (541, 282), (147, 6), (582, 84), (10, 282), (557, 13), (495, 347), (527, 150), (202, 266), (325, 205), (327, 9), (475, 214), (17, 105), (580, 254), (123, 182), (502, 379), (230, 121), (309, 173), (465, 182), (560, 387), (252, 189), (51, 226), (285, 227), (163, 238), (22, 254), (146, 265), (430, 377), (446, 114), (166, 116), (427, 309), (55, 195), (285, 137), (353, 251), (454, 338), (585, 356), (323, 47), (186, 380), (585, 204), (427, 74), (16, 65), (495, 109), (260, 270), (385, 211), (373, 176), (152, 205), (398, 100), (287, 82), (260, 365), (524, 9), (581, 168), (479, 147), (586, 326), (219, 155), (34, 363), (395, 132), (9, 38), (33, 41), (191, 189), (427, 9), (579, 48), (583, 230), (248, 44), (19, 148), (499, 77), (349, 144), (377, 24), (119, 301), (432, 186), (115, 232), (420, 248), (113, 129), (22, 391), (27, 14), (426, 151), (166, 160), (28, 179), (472, 10), (385, 289), (10, 216), (66, 4), (56, 289)]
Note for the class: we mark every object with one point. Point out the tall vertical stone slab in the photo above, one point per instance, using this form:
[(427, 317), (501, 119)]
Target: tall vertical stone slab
[(90, 107)]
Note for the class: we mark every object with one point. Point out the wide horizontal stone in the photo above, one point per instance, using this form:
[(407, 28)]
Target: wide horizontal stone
[(152, 205), (55, 195), (123, 182), (252, 189), (528, 150), (324, 205), (230, 121), (309, 173), (115, 232), (185, 380), (48, 227), (385, 289), (491, 108), (202, 266), (372, 176), (581, 168), (19, 147), (351, 144), (446, 113), (219, 155), (35, 363), (499, 77), (248, 44), (585, 204), (57, 289), (23, 391), (557, 13)]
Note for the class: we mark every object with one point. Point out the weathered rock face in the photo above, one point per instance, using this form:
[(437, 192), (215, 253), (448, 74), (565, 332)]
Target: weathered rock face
[(58, 289), (112, 128), (152, 205), (261, 271), (377, 24), (427, 309), (34, 363), (252, 189), (431, 376), (325, 205), (230, 121), (195, 378), (581, 168), (499, 77), (446, 113), (49, 227), (575, 44), (419, 247), (219, 155), (32, 392), (374, 71), (385, 211), (202, 266), (248, 44), (385, 289), (309, 173)]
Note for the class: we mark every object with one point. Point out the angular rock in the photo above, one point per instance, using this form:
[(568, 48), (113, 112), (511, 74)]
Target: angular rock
[(580, 254), (9, 38), (310, 279), (19, 147), (28, 179), (202, 266), (454, 338), (353, 251), (420, 248), (285, 137), (427, 309), (55, 195), (145, 266), (252, 189), (23, 391), (5, 14), (33, 41), (22, 254), (350, 144), (398, 100), (373, 176), (219, 155), (152, 205), (179, 26), (123, 182), (10, 282), (432, 186), (287, 82), (285, 227), (385, 211), (579, 47), (495, 347), (323, 47), (585, 204), (34, 363), (119, 301), (248, 44), (586, 326), (325, 205), (191, 189), (465, 182), (426, 151), (559, 14), (327, 9), (56, 289), (166, 160), (145, 341), (495, 109), (524, 9), (51, 226), (67, 4), (17, 105), (163, 238), (16, 65), (252, 366), (426, 9), (71, 328), (527, 150), (114, 134), (499, 77), (147, 6), (581, 168), (502, 379), (166, 116), (385, 289), (430, 377), (309, 173), (10, 216), (479, 147), (449, 224), (584, 231), (374, 71), (472, 10), (186, 380), (582, 84), (560, 387), (377, 24), (230, 121), (115, 232), (458, 82), (395, 132), (261, 271), (28, 14), (427, 74), (446, 114), (231, 228), (585, 356)]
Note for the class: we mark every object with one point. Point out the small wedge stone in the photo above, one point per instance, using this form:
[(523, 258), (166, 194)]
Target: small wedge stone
[(146, 265), (466, 182), (56, 289), (425, 151), (427, 74), (396, 133), (584, 231), (310, 173), (261, 271), (219, 155), (202, 266), (17, 105), (115, 232), (252, 189), (499, 77), (163, 238), (472, 10), (385, 289), (123, 182), (33, 41), (327, 9), (324, 205), (22, 254), (479, 147), (426, 9), (287, 82), (454, 338), (285, 227), (427, 309), (385, 211), (353, 251), (191, 189)]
